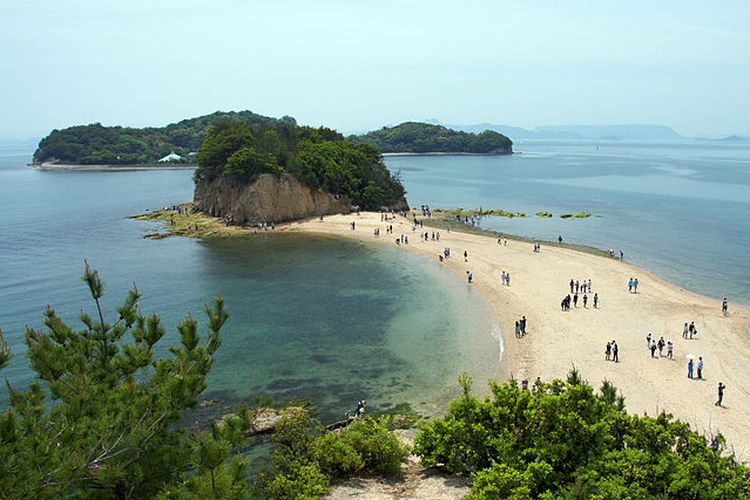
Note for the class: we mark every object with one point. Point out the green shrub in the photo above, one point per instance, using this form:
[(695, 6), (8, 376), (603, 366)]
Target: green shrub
[(546, 215), (299, 480)]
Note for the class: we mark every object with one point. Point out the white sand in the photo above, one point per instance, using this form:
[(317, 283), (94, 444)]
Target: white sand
[(558, 340)]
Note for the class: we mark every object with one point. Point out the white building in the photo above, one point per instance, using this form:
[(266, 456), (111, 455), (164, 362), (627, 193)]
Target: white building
[(171, 157)]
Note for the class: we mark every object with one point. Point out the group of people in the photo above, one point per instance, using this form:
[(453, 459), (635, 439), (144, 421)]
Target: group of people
[(612, 254), (402, 239), (505, 278), (633, 285), (521, 327), (654, 345), (537, 247), (426, 212), (565, 304), (612, 352), (582, 286), (688, 331), (426, 236)]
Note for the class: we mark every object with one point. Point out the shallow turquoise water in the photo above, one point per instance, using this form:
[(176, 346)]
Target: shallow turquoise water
[(680, 210), (313, 318)]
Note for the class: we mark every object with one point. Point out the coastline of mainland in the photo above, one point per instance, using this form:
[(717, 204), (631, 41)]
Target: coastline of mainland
[(558, 341)]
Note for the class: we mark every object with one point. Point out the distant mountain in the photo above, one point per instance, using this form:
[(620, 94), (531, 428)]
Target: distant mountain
[(730, 138), (577, 132)]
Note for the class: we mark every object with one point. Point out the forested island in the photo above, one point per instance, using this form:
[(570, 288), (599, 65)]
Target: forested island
[(278, 171), (415, 137), (97, 144)]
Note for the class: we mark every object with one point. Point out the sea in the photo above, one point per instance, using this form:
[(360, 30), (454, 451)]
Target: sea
[(332, 321)]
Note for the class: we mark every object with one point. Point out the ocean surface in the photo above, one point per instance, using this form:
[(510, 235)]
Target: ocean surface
[(680, 210), (312, 318), (334, 321)]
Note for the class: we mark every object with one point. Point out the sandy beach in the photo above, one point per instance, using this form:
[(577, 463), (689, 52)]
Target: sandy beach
[(556, 340)]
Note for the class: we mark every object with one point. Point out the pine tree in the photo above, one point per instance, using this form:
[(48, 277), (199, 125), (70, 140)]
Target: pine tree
[(100, 420)]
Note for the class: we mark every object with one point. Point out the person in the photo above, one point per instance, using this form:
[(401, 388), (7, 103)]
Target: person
[(507, 279), (575, 299), (572, 283), (691, 329), (648, 340), (700, 367), (596, 300), (622, 255), (525, 384), (660, 344), (518, 329), (578, 286), (559, 239), (670, 349), (721, 394), (630, 285), (615, 352), (690, 368), (685, 329), (588, 287), (466, 256), (607, 351), (724, 306), (653, 349), (469, 276), (585, 300), (635, 285), (440, 257), (523, 325)]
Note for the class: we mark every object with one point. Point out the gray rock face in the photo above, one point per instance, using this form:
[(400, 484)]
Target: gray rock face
[(270, 198)]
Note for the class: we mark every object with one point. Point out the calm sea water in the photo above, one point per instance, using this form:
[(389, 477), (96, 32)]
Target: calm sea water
[(321, 319), (680, 210)]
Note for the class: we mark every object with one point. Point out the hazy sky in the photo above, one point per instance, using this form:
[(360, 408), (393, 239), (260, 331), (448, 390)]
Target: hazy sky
[(356, 65)]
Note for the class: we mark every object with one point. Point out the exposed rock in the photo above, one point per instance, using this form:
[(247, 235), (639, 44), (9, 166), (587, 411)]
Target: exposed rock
[(265, 420), (270, 198)]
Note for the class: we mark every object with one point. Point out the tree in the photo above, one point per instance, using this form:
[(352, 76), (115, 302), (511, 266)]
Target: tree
[(109, 430)]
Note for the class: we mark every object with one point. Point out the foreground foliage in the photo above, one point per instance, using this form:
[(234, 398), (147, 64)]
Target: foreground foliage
[(103, 424), (308, 457), (563, 440), (415, 137)]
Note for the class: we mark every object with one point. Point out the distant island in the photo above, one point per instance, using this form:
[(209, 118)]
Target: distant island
[(179, 142), (415, 137)]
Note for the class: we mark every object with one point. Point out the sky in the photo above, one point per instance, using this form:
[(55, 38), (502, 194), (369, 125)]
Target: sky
[(356, 65)]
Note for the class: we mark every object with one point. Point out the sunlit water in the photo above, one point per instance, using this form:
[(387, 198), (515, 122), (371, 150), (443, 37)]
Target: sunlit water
[(680, 210), (312, 318)]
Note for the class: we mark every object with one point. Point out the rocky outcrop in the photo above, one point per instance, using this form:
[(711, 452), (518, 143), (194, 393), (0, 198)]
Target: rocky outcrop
[(270, 198)]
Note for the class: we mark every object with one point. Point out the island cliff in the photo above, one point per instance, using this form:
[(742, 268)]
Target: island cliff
[(271, 198), (279, 171)]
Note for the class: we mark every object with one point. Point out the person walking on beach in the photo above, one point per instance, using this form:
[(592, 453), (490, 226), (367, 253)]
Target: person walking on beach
[(653, 349), (578, 286), (630, 285), (596, 300), (588, 286), (724, 306), (670, 350), (615, 352), (518, 329), (700, 367), (575, 299), (648, 340), (690, 368), (721, 394), (523, 325), (607, 351), (691, 329), (635, 285), (502, 277), (585, 300), (507, 279), (466, 256), (469, 277), (685, 330), (660, 344), (572, 284)]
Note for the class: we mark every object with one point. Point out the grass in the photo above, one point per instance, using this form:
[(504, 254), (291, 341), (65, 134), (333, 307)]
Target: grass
[(546, 215)]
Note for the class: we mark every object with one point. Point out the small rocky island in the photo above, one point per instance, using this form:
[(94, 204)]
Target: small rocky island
[(278, 171)]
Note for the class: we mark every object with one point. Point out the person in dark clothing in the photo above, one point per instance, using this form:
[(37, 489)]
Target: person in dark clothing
[(615, 352), (721, 394)]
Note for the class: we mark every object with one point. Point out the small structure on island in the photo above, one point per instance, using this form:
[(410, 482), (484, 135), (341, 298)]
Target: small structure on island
[(170, 157)]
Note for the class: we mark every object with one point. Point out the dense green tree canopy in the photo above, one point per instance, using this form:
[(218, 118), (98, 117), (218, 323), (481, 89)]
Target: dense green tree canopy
[(319, 157), (97, 144), (414, 137), (563, 440)]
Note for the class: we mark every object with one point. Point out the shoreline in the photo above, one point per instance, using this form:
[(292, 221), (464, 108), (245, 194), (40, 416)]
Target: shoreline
[(57, 167), (449, 153), (558, 340)]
